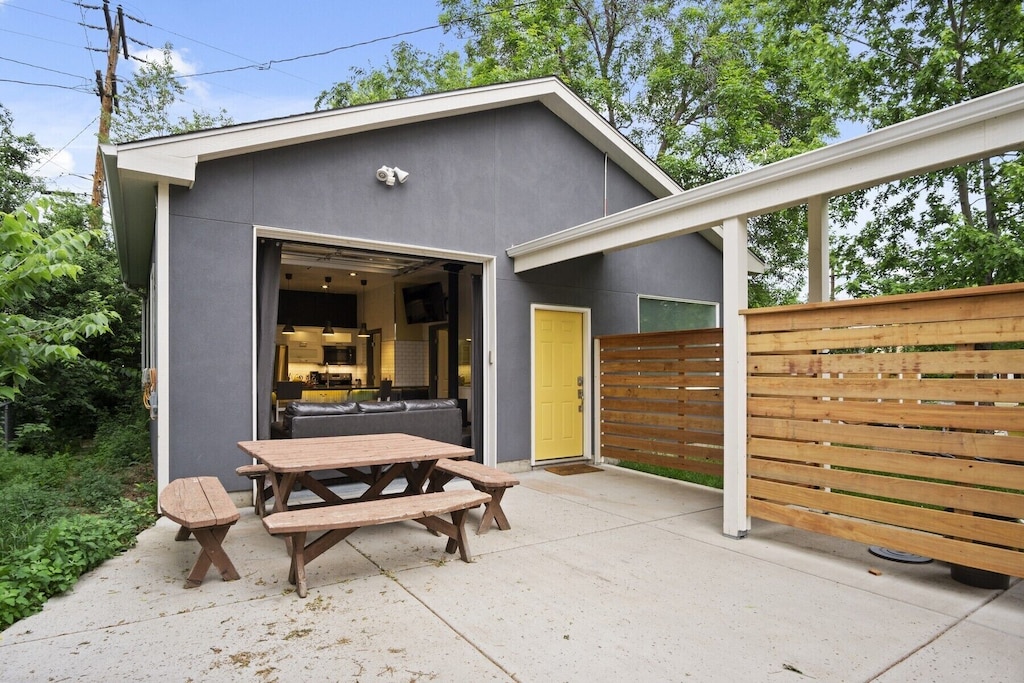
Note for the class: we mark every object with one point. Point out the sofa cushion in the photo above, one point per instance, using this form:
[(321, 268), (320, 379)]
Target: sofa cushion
[(381, 407), (305, 408), (431, 403)]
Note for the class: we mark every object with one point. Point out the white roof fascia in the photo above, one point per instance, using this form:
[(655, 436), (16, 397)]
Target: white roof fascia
[(147, 163), (967, 131), (166, 157)]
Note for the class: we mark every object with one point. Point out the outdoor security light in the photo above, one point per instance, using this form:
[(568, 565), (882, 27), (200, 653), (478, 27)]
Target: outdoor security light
[(388, 175)]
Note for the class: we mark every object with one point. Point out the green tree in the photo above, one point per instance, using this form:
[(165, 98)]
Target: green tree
[(31, 259), (70, 400), (17, 154), (952, 228), (144, 107), (408, 71), (706, 88)]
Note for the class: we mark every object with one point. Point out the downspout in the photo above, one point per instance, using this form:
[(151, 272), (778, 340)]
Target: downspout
[(606, 184)]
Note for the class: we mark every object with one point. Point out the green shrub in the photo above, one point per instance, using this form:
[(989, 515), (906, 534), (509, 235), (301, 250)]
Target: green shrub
[(24, 509), (123, 439), (70, 547)]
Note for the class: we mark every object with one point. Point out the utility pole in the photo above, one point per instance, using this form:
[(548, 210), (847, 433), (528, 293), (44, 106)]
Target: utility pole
[(107, 90)]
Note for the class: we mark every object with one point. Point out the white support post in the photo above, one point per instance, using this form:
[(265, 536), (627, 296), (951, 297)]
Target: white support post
[(819, 287), (163, 316), (735, 521), (595, 383)]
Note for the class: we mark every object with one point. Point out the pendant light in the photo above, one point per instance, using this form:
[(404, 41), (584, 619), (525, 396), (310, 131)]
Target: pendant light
[(288, 328), (328, 330), (362, 326)]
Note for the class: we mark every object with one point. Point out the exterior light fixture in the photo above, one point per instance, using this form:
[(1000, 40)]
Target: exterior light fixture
[(288, 328), (389, 174)]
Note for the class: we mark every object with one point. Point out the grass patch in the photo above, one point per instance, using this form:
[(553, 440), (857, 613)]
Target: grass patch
[(65, 513), (710, 480)]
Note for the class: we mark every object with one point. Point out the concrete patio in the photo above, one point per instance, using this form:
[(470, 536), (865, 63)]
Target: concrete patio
[(605, 576)]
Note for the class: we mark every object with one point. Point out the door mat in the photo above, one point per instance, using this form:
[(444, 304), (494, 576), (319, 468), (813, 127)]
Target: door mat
[(575, 468)]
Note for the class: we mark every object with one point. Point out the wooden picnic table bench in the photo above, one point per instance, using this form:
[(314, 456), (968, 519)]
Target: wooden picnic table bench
[(257, 473), (339, 521), (204, 509), (490, 480)]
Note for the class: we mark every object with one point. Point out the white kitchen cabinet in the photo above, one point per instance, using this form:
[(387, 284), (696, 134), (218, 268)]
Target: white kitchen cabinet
[(305, 352)]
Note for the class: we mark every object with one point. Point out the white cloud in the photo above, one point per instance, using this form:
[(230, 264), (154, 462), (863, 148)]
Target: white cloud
[(56, 165), (194, 88)]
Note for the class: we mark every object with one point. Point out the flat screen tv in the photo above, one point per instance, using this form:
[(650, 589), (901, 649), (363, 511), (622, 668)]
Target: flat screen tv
[(424, 303)]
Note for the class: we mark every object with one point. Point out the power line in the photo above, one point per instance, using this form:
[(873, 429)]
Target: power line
[(266, 66), (77, 88), (42, 14), (66, 145), (43, 68), (34, 37)]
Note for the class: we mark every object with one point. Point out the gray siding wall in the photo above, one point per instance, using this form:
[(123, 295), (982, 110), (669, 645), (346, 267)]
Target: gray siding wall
[(479, 183)]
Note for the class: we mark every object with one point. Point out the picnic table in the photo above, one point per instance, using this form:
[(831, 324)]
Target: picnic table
[(374, 459)]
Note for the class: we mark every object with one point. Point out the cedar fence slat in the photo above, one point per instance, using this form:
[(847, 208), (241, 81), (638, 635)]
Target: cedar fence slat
[(948, 523), (988, 362), (967, 553), (661, 399), (964, 471), (1009, 418), (895, 421)]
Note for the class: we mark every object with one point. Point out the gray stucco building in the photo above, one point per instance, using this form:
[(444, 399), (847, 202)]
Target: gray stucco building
[(488, 168)]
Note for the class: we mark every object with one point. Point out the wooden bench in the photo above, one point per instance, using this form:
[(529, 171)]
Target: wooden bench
[(487, 479), (258, 474), (203, 508), (339, 521)]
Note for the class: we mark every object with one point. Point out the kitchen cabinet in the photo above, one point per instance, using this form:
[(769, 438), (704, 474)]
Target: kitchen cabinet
[(324, 395), (315, 309), (304, 352)]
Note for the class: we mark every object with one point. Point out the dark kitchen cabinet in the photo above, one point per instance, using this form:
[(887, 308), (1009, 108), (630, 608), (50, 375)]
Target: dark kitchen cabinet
[(313, 309)]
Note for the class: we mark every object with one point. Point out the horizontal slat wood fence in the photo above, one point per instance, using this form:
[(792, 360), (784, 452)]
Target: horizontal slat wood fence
[(661, 399), (895, 421)]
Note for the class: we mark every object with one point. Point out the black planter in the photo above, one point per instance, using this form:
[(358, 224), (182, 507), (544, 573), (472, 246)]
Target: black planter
[(979, 578)]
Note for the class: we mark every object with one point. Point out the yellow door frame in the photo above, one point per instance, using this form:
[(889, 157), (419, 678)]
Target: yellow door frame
[(586, 415)]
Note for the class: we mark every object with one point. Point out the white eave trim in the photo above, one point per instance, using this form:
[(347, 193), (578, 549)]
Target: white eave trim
[(964, 132), (168, 157)]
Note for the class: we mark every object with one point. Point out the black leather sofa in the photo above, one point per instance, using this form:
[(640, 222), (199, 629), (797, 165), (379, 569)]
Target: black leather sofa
[(439, 419)]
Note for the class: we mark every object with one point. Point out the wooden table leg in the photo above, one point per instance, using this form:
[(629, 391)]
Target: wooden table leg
[(417, 475), (297, 571), (455, 530), (493, 511), (212, 552), (282, 484)]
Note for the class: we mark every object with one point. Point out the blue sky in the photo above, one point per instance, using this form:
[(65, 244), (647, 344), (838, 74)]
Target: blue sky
[(47, 72)]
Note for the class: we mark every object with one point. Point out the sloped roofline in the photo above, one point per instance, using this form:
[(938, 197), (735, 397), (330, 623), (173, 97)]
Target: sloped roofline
[(173, 158), (133, 169)]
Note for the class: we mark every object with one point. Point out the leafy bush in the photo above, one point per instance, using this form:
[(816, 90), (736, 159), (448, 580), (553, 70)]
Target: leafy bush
[(123, 439), (36, 490), (69, 547)]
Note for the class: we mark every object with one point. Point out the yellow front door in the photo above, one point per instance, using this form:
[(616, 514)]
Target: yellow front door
[(558, 384)]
